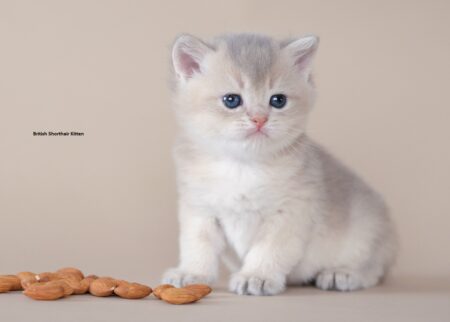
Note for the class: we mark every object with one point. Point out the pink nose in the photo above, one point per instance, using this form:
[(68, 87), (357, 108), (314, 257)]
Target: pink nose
[(259, 120)]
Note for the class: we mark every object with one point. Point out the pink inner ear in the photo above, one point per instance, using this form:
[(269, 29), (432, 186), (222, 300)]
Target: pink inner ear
[(188, 64), (303, 60)]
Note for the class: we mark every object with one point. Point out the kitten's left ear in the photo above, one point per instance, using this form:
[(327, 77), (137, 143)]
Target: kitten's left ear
[(188, 53), (303, 50)]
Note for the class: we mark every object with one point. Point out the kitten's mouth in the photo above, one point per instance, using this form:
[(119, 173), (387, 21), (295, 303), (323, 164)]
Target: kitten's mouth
[(257, 133)]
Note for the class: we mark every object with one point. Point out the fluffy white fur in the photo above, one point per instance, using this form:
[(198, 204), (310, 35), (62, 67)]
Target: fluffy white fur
[(292, 213)]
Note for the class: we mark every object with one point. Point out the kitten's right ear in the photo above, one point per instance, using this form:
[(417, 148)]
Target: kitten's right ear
[(303, 50), (188, 53)]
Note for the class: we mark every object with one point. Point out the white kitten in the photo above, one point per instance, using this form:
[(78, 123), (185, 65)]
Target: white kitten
[(249, 176)]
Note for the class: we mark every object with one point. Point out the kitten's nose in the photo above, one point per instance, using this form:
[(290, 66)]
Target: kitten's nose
[(259, 120)]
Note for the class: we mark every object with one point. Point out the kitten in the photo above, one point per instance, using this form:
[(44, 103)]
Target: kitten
[(250, 177)]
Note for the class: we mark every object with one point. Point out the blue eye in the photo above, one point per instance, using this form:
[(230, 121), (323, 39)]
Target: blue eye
[(278, 100), (232, 100)]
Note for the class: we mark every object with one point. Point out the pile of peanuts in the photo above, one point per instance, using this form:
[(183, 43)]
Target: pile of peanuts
[(69, 281)]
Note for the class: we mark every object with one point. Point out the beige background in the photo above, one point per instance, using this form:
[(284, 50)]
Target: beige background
[(106, 202)]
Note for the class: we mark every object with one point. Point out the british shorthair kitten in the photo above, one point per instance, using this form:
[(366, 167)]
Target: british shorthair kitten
[(250, 177)]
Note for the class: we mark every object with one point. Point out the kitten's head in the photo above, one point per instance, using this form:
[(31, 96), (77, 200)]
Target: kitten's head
[(246, 94)]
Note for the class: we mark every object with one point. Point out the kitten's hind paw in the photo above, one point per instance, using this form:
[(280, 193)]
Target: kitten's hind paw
[(339, 281), (179, 278), (243, 284)]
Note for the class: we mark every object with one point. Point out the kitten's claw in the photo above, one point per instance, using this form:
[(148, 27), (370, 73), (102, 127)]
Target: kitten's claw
[(243, 284), (180, 278)]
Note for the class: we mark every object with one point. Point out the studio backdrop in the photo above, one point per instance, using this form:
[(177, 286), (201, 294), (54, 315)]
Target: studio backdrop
[(105, 200)]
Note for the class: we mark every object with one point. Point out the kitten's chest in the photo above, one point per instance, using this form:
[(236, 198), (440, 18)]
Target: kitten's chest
[(230, 187), (240, 196)]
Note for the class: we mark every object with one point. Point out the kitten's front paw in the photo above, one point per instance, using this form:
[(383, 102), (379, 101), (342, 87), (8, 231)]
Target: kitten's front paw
[(178, 278), (250, 284)]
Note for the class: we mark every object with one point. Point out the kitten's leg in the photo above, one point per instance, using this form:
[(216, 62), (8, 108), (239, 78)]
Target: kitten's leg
[(201, 241), (366, 254), (277, 248), (348, 279), (355, 272), (340, 280)]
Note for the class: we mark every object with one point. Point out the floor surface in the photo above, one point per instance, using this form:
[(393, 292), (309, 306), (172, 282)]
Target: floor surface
[(400, 299)]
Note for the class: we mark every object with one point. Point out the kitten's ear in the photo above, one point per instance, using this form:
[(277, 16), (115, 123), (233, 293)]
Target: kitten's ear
[(303, 50), (188, 53)]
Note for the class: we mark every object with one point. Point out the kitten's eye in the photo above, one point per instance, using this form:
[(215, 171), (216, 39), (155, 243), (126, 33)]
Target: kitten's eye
[(232, 100), (278, 100)]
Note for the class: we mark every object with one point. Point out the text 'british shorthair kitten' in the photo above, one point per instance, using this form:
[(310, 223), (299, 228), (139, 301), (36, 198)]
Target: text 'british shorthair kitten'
[(250, 177)]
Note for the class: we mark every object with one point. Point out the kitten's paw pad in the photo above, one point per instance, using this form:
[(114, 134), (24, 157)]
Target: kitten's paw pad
[(253, 285), (179, 278), (337, 280)]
